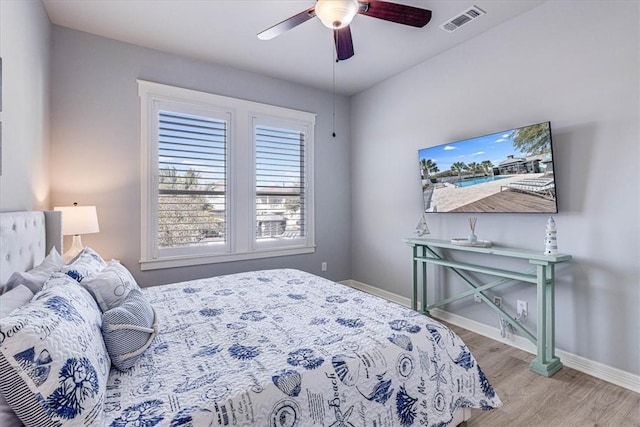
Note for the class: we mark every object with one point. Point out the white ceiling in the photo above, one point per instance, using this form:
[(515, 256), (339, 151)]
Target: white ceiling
[(224, 32)]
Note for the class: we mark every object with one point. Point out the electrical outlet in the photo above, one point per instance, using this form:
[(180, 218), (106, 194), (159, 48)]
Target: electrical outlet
[(497, 301), (476, 298), (324, 266), (521, 308)]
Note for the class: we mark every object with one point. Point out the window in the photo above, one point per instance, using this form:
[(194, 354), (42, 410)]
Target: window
[(223, 179), (279, 184), (191, 204)]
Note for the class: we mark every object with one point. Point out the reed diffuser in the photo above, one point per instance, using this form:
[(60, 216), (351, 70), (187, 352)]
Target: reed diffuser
[(472, 224)]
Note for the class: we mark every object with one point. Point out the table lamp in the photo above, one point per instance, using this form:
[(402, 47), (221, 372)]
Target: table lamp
[(77, 220)]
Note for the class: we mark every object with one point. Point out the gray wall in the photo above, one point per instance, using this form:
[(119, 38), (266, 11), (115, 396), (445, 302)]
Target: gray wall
[(96, 144), (584, 78), (25, 50)]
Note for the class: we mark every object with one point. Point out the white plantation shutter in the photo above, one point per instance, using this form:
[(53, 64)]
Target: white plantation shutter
[(280, 183), (191, 180)]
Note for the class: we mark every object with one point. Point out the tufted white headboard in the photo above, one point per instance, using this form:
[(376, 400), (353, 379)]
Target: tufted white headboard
[(26, 237)]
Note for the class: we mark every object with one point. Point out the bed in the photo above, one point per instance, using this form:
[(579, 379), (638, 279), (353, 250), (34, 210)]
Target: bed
[(267, 348)]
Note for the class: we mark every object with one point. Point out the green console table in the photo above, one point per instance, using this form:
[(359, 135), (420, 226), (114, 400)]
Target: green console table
[(438, 252)]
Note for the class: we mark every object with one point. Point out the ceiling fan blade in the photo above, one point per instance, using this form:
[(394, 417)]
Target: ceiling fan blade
[(398, 13), (287, 24), (344, 43)]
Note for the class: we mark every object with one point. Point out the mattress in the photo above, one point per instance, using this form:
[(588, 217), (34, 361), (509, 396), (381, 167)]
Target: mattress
[(287, 348)]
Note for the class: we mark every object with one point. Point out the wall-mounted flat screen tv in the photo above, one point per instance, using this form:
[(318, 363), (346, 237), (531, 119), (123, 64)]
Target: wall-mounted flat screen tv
[(509, 171)]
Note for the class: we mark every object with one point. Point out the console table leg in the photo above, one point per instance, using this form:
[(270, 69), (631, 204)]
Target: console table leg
[(550, 289), (545, 363), (424, 282), (414, 294)]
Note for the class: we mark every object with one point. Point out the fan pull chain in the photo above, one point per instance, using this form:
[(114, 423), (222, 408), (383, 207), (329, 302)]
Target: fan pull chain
[(334, 57)]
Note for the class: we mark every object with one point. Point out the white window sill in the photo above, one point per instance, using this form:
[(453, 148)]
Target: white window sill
[(185, 261)]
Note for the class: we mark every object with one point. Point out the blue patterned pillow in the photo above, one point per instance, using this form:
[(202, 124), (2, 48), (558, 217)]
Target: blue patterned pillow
[(128, 330), (88, 263), (53, 362)]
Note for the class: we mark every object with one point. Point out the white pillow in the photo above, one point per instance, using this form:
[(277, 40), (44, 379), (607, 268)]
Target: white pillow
[(34, 279), (54, 364), (53, 261), (15, 298), (111, 286)]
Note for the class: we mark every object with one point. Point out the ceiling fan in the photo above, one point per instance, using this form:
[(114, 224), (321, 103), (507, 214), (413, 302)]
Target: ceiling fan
[(338, 14)]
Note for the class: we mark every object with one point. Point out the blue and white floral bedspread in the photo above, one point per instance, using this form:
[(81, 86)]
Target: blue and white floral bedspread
[(287, 348)]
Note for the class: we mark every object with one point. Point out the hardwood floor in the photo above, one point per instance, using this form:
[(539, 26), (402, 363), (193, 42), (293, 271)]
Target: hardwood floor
[(568, 399)]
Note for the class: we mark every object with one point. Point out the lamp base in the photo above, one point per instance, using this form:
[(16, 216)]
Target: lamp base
[(74, 250)]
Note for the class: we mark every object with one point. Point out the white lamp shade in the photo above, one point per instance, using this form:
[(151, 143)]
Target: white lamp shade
[(78, 220), (336, 14)]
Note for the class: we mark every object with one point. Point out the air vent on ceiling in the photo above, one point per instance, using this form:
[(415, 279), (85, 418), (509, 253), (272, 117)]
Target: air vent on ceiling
[(463, 18)]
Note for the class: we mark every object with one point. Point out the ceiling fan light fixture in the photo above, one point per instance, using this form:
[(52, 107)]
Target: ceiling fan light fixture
[(336, 14)]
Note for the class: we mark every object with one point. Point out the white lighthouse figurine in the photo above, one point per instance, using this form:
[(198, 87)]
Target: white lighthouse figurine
[(550, 240)]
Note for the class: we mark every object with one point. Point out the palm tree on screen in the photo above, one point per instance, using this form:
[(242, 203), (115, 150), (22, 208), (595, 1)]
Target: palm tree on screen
[(473, 168), (428, 166), (487, 166), (458, 167)]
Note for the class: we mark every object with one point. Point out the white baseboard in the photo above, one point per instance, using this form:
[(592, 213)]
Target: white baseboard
[(595, 369)]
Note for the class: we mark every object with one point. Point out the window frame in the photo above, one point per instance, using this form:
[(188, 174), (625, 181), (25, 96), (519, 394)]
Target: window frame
[(241, 242)]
